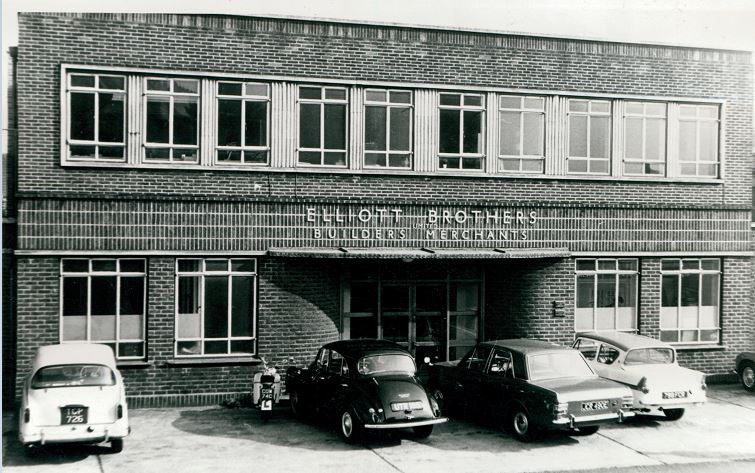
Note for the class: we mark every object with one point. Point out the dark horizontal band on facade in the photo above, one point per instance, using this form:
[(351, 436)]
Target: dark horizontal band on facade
[(421, 253)]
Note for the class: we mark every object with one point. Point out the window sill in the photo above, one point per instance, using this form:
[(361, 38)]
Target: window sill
[(702, 347), (207, 361), (128, 364)]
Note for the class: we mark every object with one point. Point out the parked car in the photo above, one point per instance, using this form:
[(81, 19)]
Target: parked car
[(363, 384), (530, 386), (73, 394), (745, 367), (648, 366)]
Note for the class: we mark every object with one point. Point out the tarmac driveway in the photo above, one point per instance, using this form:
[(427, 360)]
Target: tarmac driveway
[(236, 440)]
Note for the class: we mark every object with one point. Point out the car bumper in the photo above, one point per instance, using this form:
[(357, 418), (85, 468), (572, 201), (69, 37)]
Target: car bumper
[(73, 434), (572, 421), (654, 403), (406, 425)]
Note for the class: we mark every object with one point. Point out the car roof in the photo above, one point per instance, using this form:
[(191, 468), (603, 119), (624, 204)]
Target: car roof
[(73, 354), (625, 341), (360, 347), (525, 346)]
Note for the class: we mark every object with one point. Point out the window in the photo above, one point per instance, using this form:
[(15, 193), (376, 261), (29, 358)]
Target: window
[(478, 358), (588, 348), (216, 306), (690, 300), (522, 134), (501, 364), (172, 120), (96, 117), (589, 136), (388, 128), (461, 142), (698, 140), (607, 354), (322, 126), (606, 294), (242, 123), (645, 139), (103, 301)]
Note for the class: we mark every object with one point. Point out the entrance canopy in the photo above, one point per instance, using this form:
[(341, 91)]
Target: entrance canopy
[(420, 253)]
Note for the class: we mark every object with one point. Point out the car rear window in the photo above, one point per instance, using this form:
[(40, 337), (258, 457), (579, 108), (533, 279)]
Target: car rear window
[(649, 356), (373, 364), (73, 375), (559, 364)]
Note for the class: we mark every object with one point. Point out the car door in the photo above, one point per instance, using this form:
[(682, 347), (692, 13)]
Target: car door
[(497, 381), (336, 386), (471, 376), (606, 364), (319, 380)]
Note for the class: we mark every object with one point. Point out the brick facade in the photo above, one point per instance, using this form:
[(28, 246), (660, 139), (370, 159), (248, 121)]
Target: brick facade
[(164, 213)]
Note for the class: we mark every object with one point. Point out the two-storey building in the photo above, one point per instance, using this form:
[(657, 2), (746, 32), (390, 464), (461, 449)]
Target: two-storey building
[(198, 191)]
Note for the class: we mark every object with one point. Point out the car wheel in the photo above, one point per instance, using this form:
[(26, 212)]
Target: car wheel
[(349, 426), (587, 430), (423, 431), (747, 376), (296, 407), (116, 445), (673, 414), (521, 425)]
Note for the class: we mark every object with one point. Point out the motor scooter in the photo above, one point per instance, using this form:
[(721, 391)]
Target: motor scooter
[(266, 390)]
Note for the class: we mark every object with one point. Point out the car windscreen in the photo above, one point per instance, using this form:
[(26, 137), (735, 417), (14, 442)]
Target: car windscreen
[(558, 364), (374, 364), (650, 356), (72, 375)]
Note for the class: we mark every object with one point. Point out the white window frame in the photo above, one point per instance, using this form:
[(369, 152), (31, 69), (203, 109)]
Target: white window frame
[(170, 145), (202, 273), (700, 272), (590, 114), (697, 120), (521, 157), (461, 108), (322, 101), (96, 91), (615, 271), (663, 145), (242, 147), (118, 274), (389, 105)]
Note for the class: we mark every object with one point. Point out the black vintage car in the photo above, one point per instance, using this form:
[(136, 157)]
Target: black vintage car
[(363, 384), (529, 386)]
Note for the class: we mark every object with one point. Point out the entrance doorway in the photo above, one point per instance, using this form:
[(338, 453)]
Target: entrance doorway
[(432, 312)]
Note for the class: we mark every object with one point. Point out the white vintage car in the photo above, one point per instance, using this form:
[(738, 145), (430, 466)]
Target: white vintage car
[(73, 394), (648, 366)]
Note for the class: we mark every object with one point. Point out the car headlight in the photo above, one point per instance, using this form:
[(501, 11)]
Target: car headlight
[(434, 406), (27, 415), (703, 386)]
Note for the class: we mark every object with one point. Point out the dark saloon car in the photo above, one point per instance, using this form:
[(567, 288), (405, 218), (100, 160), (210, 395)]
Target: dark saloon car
[(529, 386), (363, 384), (745, 367)]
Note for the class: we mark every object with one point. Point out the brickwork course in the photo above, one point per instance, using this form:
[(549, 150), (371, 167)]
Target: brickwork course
[(164, 213)]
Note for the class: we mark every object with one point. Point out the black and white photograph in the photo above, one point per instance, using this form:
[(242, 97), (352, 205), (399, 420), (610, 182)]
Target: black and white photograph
[(396, 236)]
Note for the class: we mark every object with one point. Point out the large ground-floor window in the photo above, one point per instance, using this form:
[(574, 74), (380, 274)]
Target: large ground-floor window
[(103, 301), (606, 294), (215, 306), (432, 313), (690, 300)]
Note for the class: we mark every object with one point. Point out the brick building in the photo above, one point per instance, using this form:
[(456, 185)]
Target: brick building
[(198, 191)]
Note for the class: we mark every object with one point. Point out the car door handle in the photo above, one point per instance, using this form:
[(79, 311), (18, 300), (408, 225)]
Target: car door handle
[(344, 385)]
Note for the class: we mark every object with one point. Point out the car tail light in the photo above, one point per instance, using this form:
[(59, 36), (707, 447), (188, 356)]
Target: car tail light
[(561, 409), (703, 386), (119, 411), (643, 385), (27, 415), (627, 402), (377, 416)]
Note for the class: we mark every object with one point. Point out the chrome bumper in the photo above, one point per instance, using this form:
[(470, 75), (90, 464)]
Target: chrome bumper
[(406, 425), (573, 421)]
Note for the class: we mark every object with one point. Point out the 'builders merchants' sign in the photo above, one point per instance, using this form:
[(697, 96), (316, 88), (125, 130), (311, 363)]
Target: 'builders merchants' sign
[(419, 223)]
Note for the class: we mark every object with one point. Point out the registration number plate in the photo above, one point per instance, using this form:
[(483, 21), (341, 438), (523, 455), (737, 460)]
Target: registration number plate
[(73, 415), (674, 395), (267, 393), (594, 405), (406, 406)]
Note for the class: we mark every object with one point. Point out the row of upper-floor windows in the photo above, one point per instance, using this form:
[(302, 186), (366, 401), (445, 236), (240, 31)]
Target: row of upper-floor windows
[(137, 119)]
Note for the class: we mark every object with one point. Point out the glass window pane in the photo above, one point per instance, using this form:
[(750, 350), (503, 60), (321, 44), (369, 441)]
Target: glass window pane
[(690, 290), (627, 290), (578, 105), (535, 103), (335, 94), (510, 133), (430, 298), (687, 141), (509, 102), (374, 129), (158, 119), (257, 90), (334, 159), (335, 126), (186, 86), (162, 85), (103, 328), (578, 135), (710, 290), (600, 134), (708, 112), (131, 265), (374, 159), (216, 265), (531, 165), (187, 265), (310, 92), (586, 264), (185, 121), (708, 141), (400, 129), (188, 294), (585, 291), (132, 295), (229, 122), (400, 97), (103, 295), (74, 296), (636, 108), (670, 264), (633, 138), (103, 265), (399, 160), (472, 132), (111, 118), (376, 96), (450, 99), (242, 346), (658, 109), (655, 139), (256, 124), (78, 80), (229, 88), (216, 306), (216, 347), (606, 296), (363, 297), (243, 265), (607, 264), (82, 116), (600, 107), (242, 306), (533, 134), (310, 157), (473, 100), (670, 291), (362, 327), (450, 121), (309, 125), (712, 264), (131, 350)]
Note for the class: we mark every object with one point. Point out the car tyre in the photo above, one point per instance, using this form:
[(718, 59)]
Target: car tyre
[(520, 424), (295, 401), (349, 426), (673, 414), (747, 375), (586, 430), (116, 445), (423, 431)]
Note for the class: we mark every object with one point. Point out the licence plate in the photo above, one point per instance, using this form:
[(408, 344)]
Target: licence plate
[(406, 406), (267, 394), (594, 405), (674, 395), (73, 415)]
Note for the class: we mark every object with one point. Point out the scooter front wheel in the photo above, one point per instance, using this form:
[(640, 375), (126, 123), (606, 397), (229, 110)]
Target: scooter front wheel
[(266, 415)]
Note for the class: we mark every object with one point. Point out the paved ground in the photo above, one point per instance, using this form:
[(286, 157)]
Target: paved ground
[(719, 435)]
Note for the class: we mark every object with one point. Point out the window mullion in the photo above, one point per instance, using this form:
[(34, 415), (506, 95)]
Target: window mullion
[(322, 133), (89, 305)]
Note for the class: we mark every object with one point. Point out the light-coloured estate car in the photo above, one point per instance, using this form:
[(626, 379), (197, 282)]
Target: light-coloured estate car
[(648, 366), (73, 394)]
